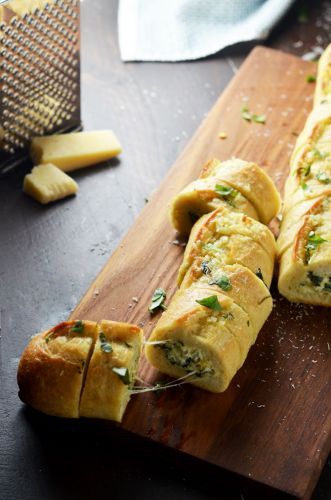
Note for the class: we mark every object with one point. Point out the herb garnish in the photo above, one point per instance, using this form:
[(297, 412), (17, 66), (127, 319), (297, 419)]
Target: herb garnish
[(305, 170), (158, 299), (105, 346), (304, 186), (204, 268), (78, 327), (210, 302), (223, 282), (313, 241), (227, 193), (311, 78), (123, 374), (252, 117), (322, 177), (318, 154), (228, 316)]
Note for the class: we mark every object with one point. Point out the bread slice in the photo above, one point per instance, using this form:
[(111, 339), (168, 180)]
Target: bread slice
[(240, 284), (305, 267), (80, 368), (202, 196), (323, 83), (293, 219), (53, 366), (222, 238), (251, 181), (112, 371), (206, 346)]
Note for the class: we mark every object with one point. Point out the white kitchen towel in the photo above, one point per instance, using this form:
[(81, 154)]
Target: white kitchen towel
[(179, 30)]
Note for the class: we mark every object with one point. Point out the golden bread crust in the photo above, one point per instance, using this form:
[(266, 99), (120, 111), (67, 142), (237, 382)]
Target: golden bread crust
[(66, 373), (51, 370)]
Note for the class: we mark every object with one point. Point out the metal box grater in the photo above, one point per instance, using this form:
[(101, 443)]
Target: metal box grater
[(39, 73)]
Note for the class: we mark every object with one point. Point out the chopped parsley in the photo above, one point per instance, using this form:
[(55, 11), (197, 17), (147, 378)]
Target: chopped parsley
[(227, 193), (105, 346), (223, 282), (204, 268), (252, 117), (78, 327), (319, 155), (158, 299), (210, 302), (123, 374), (310, 78), (322, 177), (313, 241), (305, 170), (228, 316)]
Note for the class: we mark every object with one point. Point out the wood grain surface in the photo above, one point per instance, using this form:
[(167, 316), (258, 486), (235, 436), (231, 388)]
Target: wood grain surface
[(273, 423)]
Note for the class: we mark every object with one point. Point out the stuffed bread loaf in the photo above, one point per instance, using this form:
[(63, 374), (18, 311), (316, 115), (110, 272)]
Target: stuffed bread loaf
[(240, 185), (224, 237), (81, 368), (304, 243), (223, 300)]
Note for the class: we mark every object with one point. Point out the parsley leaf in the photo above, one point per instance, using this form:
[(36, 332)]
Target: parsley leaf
[(123, 374), (210, 302), (319, 154), (204, 268), (78, 327), (313, 241), (105, 346), (227, 193), (252, 117), (322, 177), (311, 78), (158, 299), (223, 282)]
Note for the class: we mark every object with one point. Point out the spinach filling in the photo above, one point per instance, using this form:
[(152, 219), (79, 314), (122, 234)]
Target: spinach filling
[(187, 358), (318, 281)]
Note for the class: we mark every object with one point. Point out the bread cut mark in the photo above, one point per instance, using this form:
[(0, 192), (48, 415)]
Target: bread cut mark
[(221, 223), (111, 371), (252, 182), (247, 291), (51, 369), (86, 366), (194, 341), (201, 197), (228, 250)]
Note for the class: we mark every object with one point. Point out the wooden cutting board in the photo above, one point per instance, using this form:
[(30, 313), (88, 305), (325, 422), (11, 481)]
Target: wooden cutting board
[(273, 423)]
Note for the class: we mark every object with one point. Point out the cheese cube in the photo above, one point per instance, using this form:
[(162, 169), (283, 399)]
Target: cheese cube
[(48, 183), (75, 150)]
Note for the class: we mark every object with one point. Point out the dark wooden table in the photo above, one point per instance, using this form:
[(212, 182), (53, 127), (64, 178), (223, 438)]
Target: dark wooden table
[(49, 256)]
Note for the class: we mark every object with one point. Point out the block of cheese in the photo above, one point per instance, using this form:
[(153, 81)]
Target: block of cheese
[(75, 150), (48, 183)]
